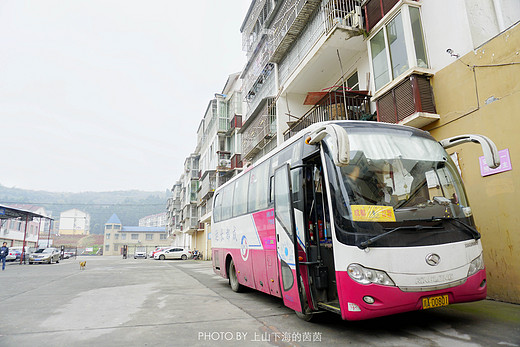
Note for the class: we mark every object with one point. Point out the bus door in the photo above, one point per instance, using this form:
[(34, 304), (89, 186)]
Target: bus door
[(286, 239)]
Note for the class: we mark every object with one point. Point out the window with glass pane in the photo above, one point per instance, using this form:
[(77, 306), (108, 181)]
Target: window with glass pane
[(353, 82), (217, 208), (240, 202), (258, 187), (379, 61), (227, 202), (418, 41), (397, 46)]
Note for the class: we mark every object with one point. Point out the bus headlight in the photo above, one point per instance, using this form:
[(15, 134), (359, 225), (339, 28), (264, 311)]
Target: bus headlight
[(476, 265), (365, 275)]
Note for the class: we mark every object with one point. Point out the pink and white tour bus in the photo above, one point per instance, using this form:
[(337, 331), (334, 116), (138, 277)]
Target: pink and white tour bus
[(363, 219)]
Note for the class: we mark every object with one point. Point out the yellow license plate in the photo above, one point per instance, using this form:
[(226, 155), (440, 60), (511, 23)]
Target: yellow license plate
[(435, 301)]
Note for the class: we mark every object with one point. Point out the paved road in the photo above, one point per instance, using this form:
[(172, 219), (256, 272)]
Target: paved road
[(116, 302)]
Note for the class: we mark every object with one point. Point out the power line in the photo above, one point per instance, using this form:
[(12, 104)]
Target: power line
[(81, 203)]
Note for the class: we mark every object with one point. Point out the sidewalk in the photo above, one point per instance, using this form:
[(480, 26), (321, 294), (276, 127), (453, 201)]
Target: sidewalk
[(491, 310)]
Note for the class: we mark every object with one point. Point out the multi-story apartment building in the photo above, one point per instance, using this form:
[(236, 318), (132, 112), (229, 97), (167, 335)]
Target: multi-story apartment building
[(74, 222), (154, 220), (447, 67), (219, 145), (189, 184), (217, 158), (144, 238), (444, 66), (299, 54), (174, 212)]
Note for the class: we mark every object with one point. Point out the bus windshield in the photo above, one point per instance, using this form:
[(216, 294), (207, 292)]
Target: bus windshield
[(398, 178)]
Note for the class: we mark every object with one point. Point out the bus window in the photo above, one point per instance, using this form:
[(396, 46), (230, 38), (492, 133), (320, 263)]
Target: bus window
[(217, 208), (227, 202), (240, 200), (258, 187)]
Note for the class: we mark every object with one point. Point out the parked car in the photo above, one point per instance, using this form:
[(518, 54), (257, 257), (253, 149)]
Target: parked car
[(14, 254), (45, 255), (67, 255), (173, 253), (140, 254), (157, 249)]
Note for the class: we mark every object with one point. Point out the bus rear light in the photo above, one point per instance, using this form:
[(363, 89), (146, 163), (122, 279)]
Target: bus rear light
[(476, 265), (365, 275)]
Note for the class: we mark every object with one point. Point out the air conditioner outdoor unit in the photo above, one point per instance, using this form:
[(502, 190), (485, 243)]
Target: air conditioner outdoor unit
[(224, 162), (354, 18)]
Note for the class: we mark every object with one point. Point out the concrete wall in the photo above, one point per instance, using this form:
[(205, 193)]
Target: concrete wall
[(486, 100)]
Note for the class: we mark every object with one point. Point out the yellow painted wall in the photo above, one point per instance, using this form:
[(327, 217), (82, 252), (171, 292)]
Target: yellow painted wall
[(460, 94)]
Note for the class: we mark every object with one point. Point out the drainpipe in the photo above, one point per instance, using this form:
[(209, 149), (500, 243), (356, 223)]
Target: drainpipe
[(279, 134)]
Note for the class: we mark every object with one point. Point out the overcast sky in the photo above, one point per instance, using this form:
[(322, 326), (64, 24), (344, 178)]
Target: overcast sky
[(104, 95)]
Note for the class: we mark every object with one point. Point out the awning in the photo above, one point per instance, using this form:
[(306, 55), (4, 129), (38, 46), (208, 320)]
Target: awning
[(8, 212), (314, 98)]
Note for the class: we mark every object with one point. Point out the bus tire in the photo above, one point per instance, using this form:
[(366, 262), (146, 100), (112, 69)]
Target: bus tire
[(308, 317), (233, 279)]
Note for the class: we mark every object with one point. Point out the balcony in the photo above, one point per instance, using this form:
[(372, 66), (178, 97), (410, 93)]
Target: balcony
[(207, 185), (260, 131), (236, 161), (224, 161), (235, 122), (291, 24), (407, 101), (334, 105), (192, 174), (375, 10)]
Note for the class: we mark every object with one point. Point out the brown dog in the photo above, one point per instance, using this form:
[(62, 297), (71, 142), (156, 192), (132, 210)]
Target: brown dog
[(82, 265)]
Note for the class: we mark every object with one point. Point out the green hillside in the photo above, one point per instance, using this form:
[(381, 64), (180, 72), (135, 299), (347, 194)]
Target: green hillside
[(129, 206)]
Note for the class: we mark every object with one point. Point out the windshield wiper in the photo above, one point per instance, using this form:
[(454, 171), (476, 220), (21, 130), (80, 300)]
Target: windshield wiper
[(370, 241), (472, 231)]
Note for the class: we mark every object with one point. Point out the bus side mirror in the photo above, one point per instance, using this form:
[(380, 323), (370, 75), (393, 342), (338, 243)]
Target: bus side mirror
[(488, 147), (339, 142)]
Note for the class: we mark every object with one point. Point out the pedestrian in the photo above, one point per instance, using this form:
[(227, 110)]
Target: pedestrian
[(4, 251)]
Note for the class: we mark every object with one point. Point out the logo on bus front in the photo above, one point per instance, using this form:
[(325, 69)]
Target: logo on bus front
[(244, 248), (433, 259)]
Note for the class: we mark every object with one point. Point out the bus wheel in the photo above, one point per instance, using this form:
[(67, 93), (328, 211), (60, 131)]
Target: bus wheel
[(233, 280), (308, 317)]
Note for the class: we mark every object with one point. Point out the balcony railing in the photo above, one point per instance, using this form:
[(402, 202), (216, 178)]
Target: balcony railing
[(410, 102), (261, 130), (342, 12), (235, 122), (334, 105), (207, 185), (236, 161), (302, 24), (288, 27)]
